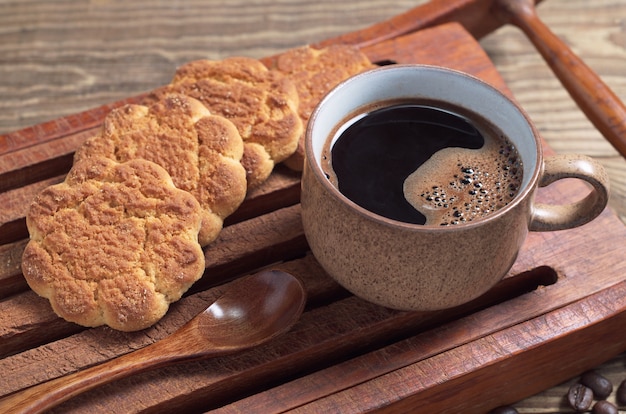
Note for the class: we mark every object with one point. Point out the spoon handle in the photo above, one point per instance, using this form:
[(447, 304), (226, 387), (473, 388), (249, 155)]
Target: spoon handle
[(603, 108), (49, 394)]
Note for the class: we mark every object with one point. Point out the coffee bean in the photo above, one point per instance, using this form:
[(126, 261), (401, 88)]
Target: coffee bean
[(604, 407), (505, 409), (620, 394), (599, 384), (580, 397)]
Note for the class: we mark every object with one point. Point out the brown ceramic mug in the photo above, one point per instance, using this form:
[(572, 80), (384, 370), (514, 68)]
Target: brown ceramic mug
[(428, 267)]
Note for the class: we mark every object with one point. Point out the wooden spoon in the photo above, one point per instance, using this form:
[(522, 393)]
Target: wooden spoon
[(603, 108), (252, 311)]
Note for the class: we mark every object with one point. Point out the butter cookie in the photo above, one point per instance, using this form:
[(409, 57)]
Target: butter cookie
[(114, 244), (263, 105), (200, 151)]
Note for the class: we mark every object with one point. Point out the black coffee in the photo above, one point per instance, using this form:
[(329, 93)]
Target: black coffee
[(420, 164)]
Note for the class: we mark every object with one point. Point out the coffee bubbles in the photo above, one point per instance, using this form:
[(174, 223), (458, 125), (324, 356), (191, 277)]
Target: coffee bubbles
[(424, 164), (458, 185)]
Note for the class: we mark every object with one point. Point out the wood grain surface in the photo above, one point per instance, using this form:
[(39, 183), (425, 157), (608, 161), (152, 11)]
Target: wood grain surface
[(62, 57)]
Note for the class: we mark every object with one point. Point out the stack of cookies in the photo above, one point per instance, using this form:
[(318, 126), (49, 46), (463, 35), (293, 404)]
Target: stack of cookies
[(121, 238)]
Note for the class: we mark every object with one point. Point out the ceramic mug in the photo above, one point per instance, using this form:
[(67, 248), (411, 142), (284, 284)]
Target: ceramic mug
[(427, 267)]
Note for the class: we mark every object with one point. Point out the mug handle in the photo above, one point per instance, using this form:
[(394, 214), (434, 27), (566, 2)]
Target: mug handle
[(560, 217)]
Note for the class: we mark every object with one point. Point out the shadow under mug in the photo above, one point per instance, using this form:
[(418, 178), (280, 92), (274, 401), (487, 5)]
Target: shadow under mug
[(427, 267)]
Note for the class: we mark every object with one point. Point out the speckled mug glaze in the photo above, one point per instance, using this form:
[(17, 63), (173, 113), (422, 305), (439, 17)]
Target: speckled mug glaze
[(420, 267)]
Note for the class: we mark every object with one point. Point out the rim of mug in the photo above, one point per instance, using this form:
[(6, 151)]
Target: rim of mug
[(316, 168)]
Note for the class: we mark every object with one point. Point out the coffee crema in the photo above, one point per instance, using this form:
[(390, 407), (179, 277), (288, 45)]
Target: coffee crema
[(423, 163)]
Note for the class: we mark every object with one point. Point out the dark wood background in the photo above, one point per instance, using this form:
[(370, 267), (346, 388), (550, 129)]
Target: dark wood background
[(64, 56)]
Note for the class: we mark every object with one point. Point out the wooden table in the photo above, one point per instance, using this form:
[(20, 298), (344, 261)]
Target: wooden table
[(59, 58)]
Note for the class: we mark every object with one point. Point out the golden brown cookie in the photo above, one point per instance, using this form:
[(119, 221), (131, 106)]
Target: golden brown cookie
[(113, 244), (200, 151), (315, 72), (262, 104)]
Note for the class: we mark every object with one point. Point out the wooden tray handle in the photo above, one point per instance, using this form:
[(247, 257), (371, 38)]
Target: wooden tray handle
[(603, 108), (476, 16)]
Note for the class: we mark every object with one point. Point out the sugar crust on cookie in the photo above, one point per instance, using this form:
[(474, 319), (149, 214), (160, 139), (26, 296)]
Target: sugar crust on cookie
[(199, 150), (263, 105), (114, 244)]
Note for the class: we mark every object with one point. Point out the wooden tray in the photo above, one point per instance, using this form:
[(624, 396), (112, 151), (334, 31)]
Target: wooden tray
[(559, 311)]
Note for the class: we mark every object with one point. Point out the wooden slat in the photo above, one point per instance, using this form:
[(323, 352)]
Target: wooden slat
[(467, 364), (467, 371), (345, 327)]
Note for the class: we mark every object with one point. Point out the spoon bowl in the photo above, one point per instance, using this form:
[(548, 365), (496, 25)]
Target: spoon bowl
[(252, 311)]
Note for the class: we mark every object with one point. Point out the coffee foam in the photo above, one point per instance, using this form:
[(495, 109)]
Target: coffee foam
[(458, 185)]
